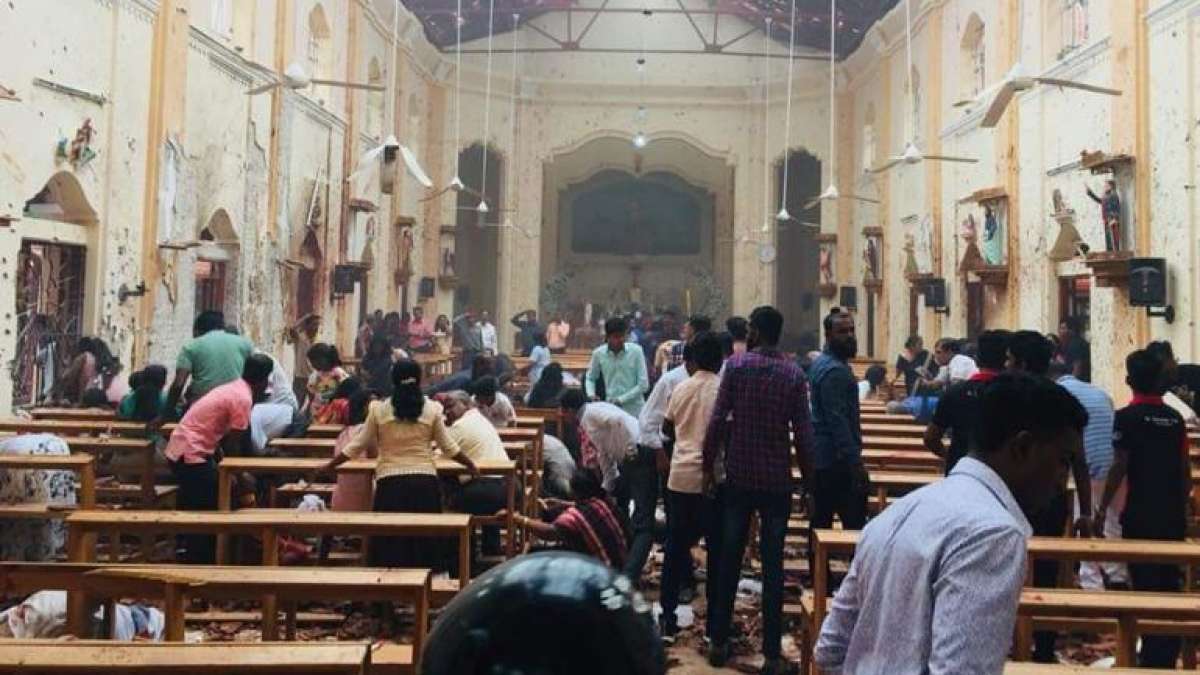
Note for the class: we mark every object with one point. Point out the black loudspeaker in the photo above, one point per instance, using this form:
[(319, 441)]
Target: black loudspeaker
[(344, 279), (935, 294), (848, 298), (425, 289), (1148, 282)]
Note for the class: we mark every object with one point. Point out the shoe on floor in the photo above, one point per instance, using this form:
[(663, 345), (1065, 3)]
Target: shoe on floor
[(718, 654), (668, 628), (779, 667)]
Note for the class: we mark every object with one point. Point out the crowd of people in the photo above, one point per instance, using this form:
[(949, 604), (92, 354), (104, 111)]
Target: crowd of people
[(721, 429)]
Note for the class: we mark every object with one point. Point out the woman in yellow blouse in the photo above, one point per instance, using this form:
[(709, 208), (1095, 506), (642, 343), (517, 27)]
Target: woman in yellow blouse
[(402, 431)]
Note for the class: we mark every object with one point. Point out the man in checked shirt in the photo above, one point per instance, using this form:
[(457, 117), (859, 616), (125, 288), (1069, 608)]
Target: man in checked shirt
[(761, 415)]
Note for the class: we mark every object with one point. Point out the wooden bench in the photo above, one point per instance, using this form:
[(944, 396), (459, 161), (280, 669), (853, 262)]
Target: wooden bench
[(535, 437), (1128, 608), (57, 657), (891, 420), (84, 465), (894, 442), (902, 460), (895, 430), (330, 431), (73, 414), (302, 467), (1016, 668), (74, 427), (552, 417)]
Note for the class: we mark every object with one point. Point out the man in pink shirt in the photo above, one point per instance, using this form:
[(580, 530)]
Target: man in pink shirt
[(420, 332), (215, 424)]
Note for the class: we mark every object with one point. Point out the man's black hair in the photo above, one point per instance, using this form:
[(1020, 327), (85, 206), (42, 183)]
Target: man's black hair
[(993, 349), (1031, 350), (1143, 371), (768, 323), (830, 318), (572, 399), (1016, 402), (616, 326), (208, 321), (706, 351), (737, 327), (700, 323), (258, 368)]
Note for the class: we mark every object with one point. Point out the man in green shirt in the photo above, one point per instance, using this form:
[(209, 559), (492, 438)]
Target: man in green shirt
[(623, 367), (213, 358)]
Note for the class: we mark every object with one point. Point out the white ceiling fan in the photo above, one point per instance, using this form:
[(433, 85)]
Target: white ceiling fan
[(911, 154), (783, 215), (832, 193), (455, 184), (295, 77), (391, 147), (998, 96)]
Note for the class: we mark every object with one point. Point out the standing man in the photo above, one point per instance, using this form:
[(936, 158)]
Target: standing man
[(303, 336), (527, 325), (214, 425), (958, 410), (1098, 451), (557, 333), (1151, 444), (761, 415), (1073, 350), (937, 576), (1029, 352), (487, 333), (420, 332), (469, 337), (839, 480), (623, 367), (695, 324), (212, 358)]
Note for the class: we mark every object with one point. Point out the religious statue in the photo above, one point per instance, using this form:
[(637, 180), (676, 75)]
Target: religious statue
[(826, 265), (447, 263), (870, 261), (1060, 205), (969, 231), (993, 247), (404, 249), (911, 269), (79, 150), (1110, 214)]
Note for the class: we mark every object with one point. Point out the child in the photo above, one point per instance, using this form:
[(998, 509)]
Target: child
[(326, 376), (1150, 443)]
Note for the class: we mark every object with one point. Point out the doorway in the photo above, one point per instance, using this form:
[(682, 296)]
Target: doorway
[(796, 264), (49, 303)]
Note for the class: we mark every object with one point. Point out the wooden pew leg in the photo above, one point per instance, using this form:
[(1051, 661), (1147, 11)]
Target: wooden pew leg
[(175, 605), (1126, 642), (290, 622), (1189, 653), (81, 547), (1023, 641)]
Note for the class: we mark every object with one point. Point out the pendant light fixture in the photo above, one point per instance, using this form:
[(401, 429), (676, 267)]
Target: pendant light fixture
[(766, 228), (483, 208), (783, 214)]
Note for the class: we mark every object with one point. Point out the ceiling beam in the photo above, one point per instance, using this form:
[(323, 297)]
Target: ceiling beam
[(824, 58)]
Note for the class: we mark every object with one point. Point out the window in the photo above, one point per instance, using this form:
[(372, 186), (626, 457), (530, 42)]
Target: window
[(222, 18), (1074, 25), (973, 58)]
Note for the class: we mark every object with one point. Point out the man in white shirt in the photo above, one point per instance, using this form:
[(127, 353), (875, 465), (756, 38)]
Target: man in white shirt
[(487, 331), (947, 562), (493, 404), (953, 366)]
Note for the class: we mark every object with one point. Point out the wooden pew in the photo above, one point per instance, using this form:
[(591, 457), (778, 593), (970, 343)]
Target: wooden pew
[(84, 465), (1017, 668), (101, 657), (146, 492), (74, 427), (896, 430), (74, 414), (884, 418), (553, 418), (1128, 608), (314, 431), (902, 460), (302, 467), (894, 442)]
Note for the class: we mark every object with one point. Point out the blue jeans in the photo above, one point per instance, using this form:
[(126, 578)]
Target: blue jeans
[(773, 509)]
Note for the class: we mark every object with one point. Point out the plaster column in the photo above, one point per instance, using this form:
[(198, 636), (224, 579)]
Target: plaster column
[(343, 305), (429, 228), (843, 269), (168, 103), (1008, 169), (888, 145), (933, 170)]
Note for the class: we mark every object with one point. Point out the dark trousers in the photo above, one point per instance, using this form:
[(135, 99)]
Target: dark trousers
[(1049, 522), (773, 509), (481, 497), (691, 516), (1158, 651), (638, 483), (197, 492), (839, 490), (409, 494)]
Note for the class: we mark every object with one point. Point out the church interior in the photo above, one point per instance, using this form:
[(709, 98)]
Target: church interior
[(310, 169)]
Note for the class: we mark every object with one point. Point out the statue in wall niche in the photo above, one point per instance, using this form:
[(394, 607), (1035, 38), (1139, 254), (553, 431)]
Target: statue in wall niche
[(826, 265), (969, 231), (405, 246), (78, 152), (1110, 213), (993, 247), (1058, 203), (447, 263), (871, 260), (910, 257)]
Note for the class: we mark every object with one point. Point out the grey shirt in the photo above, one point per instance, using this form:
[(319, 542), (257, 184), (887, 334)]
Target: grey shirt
[(935, 582)]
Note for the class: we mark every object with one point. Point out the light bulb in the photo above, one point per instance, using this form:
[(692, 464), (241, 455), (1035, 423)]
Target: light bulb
[(783, 215), (639, 141), (483, 207)]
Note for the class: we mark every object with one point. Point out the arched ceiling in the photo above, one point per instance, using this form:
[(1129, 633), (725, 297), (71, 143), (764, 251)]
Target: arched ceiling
[(855, 18)]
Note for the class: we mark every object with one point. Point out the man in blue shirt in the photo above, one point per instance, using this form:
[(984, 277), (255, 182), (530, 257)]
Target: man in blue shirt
[(623, 367), (839, 483)]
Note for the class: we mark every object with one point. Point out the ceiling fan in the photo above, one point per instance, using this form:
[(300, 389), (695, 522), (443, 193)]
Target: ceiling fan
[(455, 183), (832, 193), (295, 77), (911, 155), (391, 147), (998, 96)]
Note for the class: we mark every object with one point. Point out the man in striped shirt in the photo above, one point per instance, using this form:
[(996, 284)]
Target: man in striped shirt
[(1098, 450)]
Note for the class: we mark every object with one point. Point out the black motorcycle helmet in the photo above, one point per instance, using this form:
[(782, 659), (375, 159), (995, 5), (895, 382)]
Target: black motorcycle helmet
[(546, 613)]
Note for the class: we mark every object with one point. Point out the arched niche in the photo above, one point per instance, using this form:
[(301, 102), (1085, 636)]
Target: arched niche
[(216, 268), (308, 263), (972, 58), (320, 51), (55, 295), (375, 100)]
